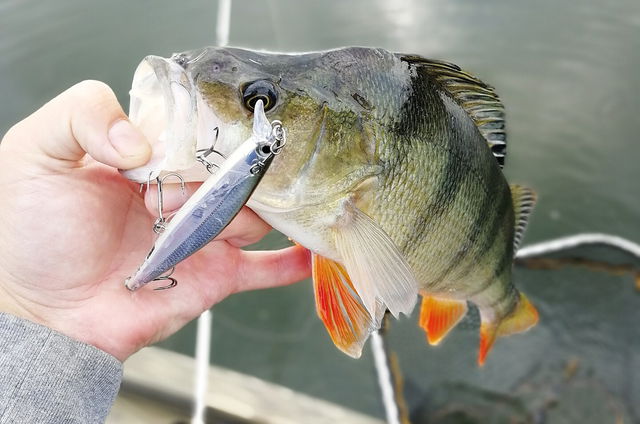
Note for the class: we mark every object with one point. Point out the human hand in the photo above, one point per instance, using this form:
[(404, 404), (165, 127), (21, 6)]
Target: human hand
[(72, 229)]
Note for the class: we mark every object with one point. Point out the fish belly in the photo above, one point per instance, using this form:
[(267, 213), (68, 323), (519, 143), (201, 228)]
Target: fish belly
[(307, 226)]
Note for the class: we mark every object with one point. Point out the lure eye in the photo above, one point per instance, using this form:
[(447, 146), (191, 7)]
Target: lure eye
[(260, 90)]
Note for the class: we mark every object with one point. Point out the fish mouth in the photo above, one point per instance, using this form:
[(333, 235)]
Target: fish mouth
[(164, 106)]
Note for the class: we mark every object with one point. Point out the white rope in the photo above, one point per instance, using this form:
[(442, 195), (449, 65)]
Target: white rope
[(569, 242), (203, 337), (385, 379)]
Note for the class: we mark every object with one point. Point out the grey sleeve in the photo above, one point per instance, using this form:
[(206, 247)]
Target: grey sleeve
[(47, 377)]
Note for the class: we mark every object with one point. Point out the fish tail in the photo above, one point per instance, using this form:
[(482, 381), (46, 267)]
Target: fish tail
[(523, 316)]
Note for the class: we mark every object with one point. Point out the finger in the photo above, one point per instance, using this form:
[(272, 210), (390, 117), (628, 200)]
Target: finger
[(245, 229), (173, 197), (264, 269), (86, 118)]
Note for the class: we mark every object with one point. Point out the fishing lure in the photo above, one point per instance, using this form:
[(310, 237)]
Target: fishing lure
[(214, 205)]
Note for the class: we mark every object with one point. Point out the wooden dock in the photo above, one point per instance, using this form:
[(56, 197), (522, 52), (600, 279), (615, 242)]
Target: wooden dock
[(158, 385)]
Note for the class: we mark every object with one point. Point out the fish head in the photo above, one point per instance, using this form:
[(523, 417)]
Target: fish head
[(323, 123), (204, 99)]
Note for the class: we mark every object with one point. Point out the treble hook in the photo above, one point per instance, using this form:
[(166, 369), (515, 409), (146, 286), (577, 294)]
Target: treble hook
[(173, 281), (159, 224), (201, 155)]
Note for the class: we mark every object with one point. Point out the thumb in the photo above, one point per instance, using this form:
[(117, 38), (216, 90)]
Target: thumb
[(86, 118)]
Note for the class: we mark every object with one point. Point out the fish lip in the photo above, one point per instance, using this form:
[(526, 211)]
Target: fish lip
[(163, 106)]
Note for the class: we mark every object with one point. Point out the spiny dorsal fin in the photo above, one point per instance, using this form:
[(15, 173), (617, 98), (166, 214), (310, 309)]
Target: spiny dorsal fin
[(524, 199), (478, 99)]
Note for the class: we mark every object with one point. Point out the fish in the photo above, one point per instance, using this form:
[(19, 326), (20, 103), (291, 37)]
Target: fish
[(393, 178), (213, 205)]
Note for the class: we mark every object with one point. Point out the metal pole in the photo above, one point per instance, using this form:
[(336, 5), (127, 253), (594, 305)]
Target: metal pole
[(203, 337), (203, 348), (385, 376)]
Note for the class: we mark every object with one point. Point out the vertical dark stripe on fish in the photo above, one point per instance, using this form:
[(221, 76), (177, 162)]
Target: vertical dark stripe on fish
[(504, 296), (415, 120), (491, 233), (498, 270), (418, 123), (440, 203), (474, 230)]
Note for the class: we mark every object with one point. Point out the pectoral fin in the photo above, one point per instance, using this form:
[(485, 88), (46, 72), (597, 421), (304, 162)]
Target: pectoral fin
[(379, 272), (339, 306), (438, 316)]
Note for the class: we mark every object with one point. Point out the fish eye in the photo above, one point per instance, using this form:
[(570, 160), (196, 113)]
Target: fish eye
[(260, 90)]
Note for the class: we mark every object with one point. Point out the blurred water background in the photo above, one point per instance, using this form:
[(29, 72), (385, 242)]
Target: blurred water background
[(568, 73)]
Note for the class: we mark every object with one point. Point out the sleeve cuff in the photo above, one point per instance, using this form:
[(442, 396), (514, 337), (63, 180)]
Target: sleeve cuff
[(48, 377)]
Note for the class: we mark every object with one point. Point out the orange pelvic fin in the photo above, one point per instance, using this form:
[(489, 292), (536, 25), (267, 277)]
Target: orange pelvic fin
[(523, 317), (438, 316), (339, 307)]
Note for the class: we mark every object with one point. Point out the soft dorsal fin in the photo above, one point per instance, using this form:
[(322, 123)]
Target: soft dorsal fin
[(478, 99), (524, 199)]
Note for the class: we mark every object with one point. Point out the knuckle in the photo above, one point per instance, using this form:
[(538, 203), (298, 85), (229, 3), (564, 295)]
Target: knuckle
[(16, 134), (11, 134), (92, 87), (94, 98)]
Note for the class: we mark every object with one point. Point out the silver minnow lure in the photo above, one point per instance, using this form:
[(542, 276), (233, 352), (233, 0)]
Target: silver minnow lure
[(212, 207)]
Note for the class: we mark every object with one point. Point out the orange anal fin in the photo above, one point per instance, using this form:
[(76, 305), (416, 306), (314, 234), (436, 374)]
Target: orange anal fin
[(438, 316), (523, 317), (339, 306)]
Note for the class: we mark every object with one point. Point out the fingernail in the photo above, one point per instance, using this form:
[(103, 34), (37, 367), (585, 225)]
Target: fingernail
[(127, 140)]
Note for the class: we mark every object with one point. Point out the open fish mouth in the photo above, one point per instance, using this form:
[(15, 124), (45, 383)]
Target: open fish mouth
[(164, 106)]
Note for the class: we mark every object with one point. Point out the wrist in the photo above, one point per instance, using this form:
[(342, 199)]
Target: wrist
[(11, 305), (66, 321)]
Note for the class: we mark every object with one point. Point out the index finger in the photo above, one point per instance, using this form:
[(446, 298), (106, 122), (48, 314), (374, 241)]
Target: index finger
[(86, 118)]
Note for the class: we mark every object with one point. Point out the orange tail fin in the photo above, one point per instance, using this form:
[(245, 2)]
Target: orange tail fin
[(339, 306), (438, 316), (521, 319)]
